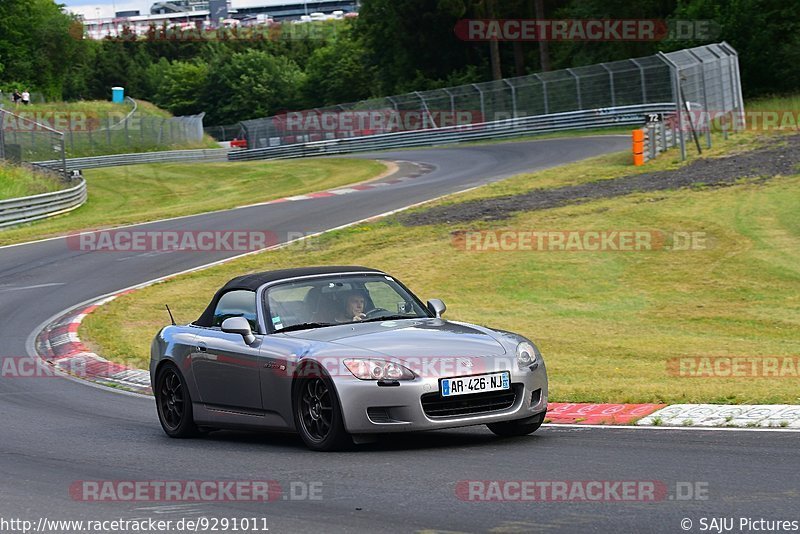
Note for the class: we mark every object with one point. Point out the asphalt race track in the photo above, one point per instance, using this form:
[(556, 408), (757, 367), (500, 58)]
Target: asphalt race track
[(56, 432)]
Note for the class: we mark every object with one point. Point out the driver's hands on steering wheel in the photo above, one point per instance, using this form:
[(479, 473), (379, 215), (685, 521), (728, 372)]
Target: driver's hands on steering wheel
[(359, 316)]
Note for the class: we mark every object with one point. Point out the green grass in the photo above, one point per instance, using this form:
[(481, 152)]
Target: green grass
[(16, 182), (140, 193), (92, 107), (607, 322), (774, 103)]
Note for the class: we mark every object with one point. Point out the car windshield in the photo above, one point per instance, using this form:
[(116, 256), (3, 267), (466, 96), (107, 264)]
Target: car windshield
[(339, 299)]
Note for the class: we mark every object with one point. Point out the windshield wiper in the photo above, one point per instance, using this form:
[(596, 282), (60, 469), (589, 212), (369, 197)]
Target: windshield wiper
[(303, 326), (390, 318)]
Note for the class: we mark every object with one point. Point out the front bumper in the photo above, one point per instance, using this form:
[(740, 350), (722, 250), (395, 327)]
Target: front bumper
[(370, 408)]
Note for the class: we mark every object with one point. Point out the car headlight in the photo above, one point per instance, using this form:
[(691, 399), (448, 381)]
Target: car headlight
[(526, 354), (369, 369)]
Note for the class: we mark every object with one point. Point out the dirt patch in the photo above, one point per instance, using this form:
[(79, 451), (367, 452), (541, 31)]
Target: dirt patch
[(711, 172)]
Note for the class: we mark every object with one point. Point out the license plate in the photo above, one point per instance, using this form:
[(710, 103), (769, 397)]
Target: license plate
[(464, 385)]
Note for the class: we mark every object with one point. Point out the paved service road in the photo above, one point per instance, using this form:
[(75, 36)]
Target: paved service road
[(56, 432)]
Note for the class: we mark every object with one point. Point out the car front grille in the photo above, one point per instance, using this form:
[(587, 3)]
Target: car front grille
[(435, 406)]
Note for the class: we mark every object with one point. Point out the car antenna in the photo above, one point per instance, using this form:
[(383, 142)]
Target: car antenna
[(170, 314)]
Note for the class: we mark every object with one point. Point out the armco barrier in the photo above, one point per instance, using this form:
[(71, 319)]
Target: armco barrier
[(556, 122), (27, 209), (116, 160)]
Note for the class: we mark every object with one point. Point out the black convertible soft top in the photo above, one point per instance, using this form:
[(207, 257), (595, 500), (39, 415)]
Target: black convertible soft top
[(251, 282)]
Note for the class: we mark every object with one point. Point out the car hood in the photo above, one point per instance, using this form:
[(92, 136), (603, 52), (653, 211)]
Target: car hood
[(417, 338)]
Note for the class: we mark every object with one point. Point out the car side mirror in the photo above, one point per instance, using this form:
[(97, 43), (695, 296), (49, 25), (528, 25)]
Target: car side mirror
[(437, 307), (239, 325)]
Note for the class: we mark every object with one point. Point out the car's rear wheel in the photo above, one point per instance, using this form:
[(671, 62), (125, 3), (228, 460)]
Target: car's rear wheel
[(318, 415), (519, 427), (174, 403)]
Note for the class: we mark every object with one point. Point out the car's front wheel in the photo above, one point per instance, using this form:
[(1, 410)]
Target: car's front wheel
[(318, 415), (174, 403), (519, 427)]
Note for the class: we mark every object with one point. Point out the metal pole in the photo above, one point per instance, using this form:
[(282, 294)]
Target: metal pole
[(705, 96), (677, 94), (64, 159), (483, 102), (452, 101), (425, 108), (722, 89), (577, 88), (513, 98), (2, 135), (736, 74), (644, 84), (544, 94), (611, 84)]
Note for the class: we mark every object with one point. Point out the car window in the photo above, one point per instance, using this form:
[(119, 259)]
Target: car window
[(325, 300), (237, 304), (385, 296)]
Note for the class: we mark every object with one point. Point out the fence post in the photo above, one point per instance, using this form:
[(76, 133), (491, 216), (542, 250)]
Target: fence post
[(483, 102), (425, 108), (737, 81), (2, 135), (676, 91), (452, 101), (64, 159), (641, 75), (577, 88), (722, 88), (705, 95), (513, 98), (544, 94), (611, 84)]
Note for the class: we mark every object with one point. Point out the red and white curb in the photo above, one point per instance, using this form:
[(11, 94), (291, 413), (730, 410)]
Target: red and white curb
[(598, 414), (60, 346), (720, 415), (419, 169)]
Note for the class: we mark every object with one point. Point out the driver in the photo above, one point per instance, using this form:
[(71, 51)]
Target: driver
[(354, 306)]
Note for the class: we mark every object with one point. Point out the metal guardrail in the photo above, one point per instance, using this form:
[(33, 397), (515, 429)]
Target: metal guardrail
[(116, 160), (27, 209), (556, 122)]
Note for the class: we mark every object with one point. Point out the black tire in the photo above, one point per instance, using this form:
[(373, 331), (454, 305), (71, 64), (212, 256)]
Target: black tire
[(174, 404), (520, 427), (317, 413)]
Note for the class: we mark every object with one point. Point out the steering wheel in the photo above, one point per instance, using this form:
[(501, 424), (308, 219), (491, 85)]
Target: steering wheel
[(374, 312)]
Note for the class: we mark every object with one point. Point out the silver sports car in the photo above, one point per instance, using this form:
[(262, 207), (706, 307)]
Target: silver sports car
[(339, 354)]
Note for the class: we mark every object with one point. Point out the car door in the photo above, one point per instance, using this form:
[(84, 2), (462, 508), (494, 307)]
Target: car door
[(225, 368)]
